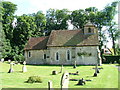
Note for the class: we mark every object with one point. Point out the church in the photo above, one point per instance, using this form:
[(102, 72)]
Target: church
[(64, 47)]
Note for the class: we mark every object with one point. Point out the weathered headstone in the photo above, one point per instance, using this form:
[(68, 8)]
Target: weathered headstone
[(9, 60), (95, 74), (2, 60), (74, 65), (64, 81), (11, 68), (54, 72), (81, 82), (61, 70), (50, 86), (24, 69)]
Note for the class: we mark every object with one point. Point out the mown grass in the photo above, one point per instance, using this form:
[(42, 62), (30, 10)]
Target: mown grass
[(107, 78)]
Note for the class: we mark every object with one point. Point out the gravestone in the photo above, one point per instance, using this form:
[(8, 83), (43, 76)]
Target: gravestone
[(11, 68), (54, 72), (74, 65), (64, 81), (81, 82), (24, 69), (61, 70), (50, 86), (2, 60), (95, 74)]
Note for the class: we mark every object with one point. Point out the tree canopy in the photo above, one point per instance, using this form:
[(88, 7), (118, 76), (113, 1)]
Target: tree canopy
[(18, 29)]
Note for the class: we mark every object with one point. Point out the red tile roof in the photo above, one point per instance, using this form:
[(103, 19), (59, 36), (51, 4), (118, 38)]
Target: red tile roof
[(63, 38), (37, 43), (72, 38)]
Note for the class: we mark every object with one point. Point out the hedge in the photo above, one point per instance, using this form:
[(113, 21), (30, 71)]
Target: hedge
[(111, 59)]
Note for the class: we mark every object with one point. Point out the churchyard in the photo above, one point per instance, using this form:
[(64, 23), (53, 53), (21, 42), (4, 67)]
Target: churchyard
[(106, 78)]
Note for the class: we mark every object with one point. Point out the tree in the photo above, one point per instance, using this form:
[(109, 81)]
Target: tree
[(57, 19), (7, 20), (78, 18), (40, 21), (114, 33)]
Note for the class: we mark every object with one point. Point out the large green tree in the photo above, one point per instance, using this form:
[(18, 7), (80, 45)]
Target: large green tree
[(57, 19), (7, 20)]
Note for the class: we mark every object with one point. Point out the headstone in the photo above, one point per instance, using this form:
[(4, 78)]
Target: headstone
[(50, 86), (64, 81), (74, 65), (61, 70), (24, 69), (54, 72), (2, 60), (11, 68), (9, 60), (81, 82), (95, 74)]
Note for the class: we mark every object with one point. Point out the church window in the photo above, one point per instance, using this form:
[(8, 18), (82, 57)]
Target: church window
[(89, 30), (29, 54), (44, 56), (68, 54), (57, 56)]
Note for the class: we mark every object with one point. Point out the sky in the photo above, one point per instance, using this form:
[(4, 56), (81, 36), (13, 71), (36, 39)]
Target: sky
[(33, 6)]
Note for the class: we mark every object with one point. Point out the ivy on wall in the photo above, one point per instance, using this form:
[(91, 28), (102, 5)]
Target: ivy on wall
[(84, 54)]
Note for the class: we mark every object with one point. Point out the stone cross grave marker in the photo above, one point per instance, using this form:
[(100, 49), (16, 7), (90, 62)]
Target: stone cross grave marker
[(64, 81), (50, 86), (95, 74), (11, 67), (24, 69), (74, 65)]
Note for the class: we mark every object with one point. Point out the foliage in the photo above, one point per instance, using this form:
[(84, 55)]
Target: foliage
[(56, 19), (18, 29), (84, 54), (111, 59), (34, 79)]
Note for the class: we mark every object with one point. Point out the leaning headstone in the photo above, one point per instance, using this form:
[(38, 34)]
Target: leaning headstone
[(24, 69), (81, 82), (61, 70), (11, 68), (64, 81), (54, 72), (50, 86), (74, 65)]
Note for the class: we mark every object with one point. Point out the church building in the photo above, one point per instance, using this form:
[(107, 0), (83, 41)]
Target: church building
[(64, 47)]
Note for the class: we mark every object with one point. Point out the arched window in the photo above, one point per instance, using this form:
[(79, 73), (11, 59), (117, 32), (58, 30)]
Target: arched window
[(68, 55), (57, 56), (89, 30), (29, 54), (44, 56)]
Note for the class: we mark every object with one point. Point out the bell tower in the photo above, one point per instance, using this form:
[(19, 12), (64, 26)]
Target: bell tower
[(89, 28)]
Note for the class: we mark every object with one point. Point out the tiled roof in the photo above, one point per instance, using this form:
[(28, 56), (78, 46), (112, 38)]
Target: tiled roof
[(72, 38), (37, 43)]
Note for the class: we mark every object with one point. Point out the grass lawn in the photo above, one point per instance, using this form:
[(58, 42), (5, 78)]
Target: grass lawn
[(107, 78)]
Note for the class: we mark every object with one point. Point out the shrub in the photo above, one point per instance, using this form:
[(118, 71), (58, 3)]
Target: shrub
[(34, 79), (111, 59)]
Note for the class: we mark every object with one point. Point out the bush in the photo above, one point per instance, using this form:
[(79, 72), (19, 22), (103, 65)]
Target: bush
[(34, 79), (111, 59)]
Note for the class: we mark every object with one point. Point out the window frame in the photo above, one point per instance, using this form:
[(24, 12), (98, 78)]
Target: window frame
[(57, 56), (68, 54)]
